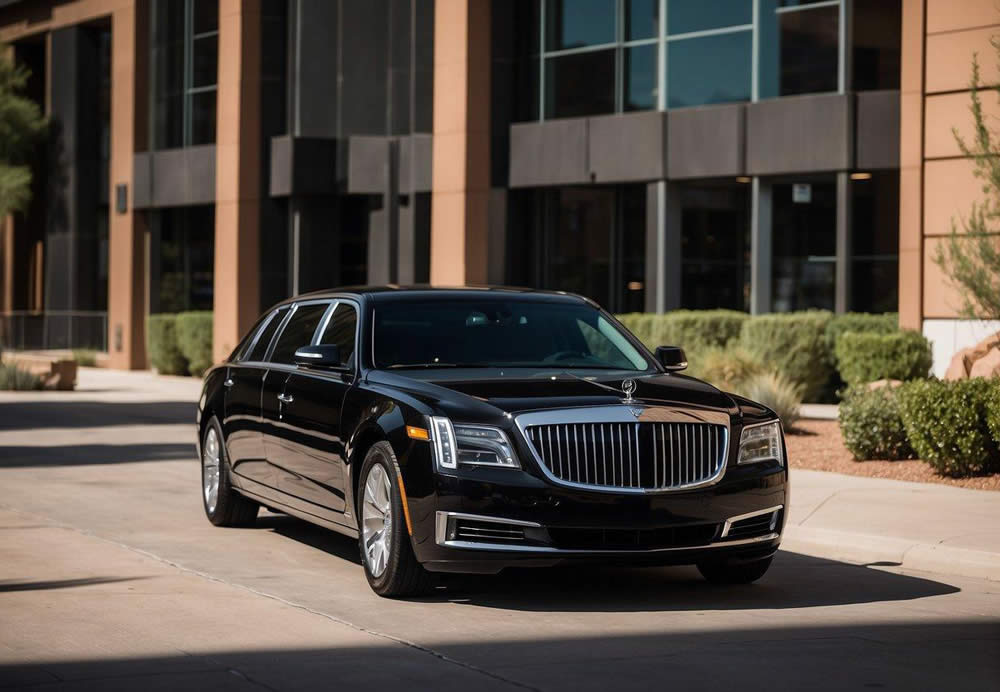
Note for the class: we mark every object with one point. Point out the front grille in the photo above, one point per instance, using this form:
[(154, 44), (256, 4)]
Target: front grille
[(641, 455), (633, 539)]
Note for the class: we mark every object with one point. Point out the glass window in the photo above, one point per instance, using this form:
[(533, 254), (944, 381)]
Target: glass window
[(340, 331), (240, 352), (578, 23), (264, 340), (182, 259), (640, 75), (710, 69), (876, 39), (798, 49), (580, 84), (684, 16), (298, 332), (875, 242), (642, 19), (805, 245)]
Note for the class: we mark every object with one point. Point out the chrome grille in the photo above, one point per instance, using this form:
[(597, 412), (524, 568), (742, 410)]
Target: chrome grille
[(637, 456)]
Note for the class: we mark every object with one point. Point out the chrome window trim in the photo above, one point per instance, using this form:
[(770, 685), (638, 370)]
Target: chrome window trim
[(623, 414), (749, 515)]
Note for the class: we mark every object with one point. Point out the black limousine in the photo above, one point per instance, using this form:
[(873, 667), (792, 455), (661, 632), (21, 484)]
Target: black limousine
[(468, 430)]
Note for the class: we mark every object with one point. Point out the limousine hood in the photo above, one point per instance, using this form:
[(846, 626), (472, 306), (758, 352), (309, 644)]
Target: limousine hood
[(485, 393)]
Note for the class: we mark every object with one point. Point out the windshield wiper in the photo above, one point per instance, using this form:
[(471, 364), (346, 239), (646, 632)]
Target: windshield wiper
[(403, 366)]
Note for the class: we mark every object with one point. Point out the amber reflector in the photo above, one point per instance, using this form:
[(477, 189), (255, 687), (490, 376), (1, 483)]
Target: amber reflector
[(417, 433)]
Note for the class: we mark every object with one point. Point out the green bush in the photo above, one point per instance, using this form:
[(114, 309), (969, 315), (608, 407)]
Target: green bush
[(872, 426), (692, 330), (726, 368), (777, 392), (85, 357), (793, 344), (993, 411), (194, 340), (164, 353), (865, 322), (904, 355), (16, 379), (946, 424)]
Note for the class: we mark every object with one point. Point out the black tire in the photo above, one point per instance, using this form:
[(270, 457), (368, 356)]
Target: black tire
[(402, 575), (231, 508), (734, 573)]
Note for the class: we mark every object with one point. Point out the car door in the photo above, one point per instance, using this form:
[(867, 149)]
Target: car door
[(280, 441), (312, 416), (241, 424)]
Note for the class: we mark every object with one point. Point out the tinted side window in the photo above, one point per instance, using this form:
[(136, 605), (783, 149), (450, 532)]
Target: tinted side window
[(266, 334), (341, 330), (299, 332)]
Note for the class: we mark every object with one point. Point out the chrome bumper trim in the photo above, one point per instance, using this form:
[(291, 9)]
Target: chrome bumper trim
[(749, 515)]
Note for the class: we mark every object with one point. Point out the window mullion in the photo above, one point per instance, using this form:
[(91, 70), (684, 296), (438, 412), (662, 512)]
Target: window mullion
[(188, 71)]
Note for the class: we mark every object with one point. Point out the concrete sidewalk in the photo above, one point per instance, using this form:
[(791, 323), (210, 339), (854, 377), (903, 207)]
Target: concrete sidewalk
[(927, 527)]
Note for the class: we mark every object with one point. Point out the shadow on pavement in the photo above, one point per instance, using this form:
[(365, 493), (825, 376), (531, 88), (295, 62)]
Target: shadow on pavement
[(93, 454), (794, 581), (957, 655), (29, 415), (7, 585)]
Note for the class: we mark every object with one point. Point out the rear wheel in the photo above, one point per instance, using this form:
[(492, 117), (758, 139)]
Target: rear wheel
[(734, 573), (224, 506), (386, 552)]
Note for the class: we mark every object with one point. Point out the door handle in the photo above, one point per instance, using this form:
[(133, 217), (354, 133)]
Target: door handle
[(286, 398), (229, 382)]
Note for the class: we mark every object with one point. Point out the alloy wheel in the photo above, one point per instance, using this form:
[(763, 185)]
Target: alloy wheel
[(376, 519), (210, 467)]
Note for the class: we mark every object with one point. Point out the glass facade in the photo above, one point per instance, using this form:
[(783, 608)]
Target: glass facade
[(875, 242), (804, 237), (184, 64), (182, 259)]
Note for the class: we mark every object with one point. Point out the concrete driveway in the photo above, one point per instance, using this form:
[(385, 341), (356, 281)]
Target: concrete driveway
[(111, 578)]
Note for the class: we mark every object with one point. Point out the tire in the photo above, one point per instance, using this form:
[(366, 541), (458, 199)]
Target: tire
[(390, 565), (734, 573), (230, 508)]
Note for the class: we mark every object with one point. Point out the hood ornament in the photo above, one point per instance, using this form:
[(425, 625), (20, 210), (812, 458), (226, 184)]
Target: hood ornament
[(628, 386)]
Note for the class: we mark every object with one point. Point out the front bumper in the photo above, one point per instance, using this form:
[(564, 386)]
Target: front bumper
[(489, 519)]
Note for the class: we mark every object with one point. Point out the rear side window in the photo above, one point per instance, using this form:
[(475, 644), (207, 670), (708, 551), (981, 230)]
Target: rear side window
[(299, 331), (340, 331), (259, 349)]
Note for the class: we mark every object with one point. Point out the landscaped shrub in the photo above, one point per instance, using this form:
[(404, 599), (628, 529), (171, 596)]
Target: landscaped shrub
[(777, 392), (993, 411), (164, 353), (16, 379), (726, 368), (85, 357), (864, 322), (872, 426), (692, 330), (794, 345), (194, 340), (946, 425), (903, 355)]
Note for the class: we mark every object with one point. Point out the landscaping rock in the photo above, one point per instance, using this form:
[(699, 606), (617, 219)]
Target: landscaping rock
[(987, 366), (962, 363)]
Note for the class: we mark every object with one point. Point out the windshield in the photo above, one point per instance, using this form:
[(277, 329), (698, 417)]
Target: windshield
[(491, 333)]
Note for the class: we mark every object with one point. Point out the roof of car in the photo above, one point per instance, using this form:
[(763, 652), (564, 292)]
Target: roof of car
[(392, 292)]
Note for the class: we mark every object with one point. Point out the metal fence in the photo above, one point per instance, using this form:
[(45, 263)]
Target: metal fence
[(54, 329)]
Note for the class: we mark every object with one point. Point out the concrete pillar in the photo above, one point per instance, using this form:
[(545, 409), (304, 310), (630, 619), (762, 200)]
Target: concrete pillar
[(761, 247), (842, 274), (126, 251), (663, 247), (911, 166), (461, 149), (237, 178), (383, 235)]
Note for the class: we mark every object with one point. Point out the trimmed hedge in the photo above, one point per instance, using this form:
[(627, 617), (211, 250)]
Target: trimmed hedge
[(794, 345), (164, 352), (946, 424), (692, 330), (872, 426), (866, 357), (864, 322), (993, 411), (194, 340)]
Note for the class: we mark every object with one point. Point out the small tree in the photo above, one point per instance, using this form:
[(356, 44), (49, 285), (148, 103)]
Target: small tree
[(21, 125), (972, 259)]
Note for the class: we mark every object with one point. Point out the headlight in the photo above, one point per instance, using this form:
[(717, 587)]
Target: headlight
[(470, 445), (761, 443)]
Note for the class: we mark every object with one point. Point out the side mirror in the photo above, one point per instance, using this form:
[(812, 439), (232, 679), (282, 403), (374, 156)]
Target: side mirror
[(671, 357), (322, 356)]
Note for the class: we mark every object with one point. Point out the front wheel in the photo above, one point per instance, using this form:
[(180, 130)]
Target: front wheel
[(390, 565), (734, 573), (224, 506)]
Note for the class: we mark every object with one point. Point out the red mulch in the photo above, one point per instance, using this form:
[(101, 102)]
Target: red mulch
[(818, 446)]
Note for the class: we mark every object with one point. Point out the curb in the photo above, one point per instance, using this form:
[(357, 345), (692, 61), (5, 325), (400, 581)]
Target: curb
[(865, 549)]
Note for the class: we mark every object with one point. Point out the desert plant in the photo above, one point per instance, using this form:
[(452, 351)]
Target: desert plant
[(164, 353), (972, 259), (778, 393), (85, 357), (872, 426), (793, 344), (15, 378), (946, 424), (866, 357), (728, 369), (194, 340)]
